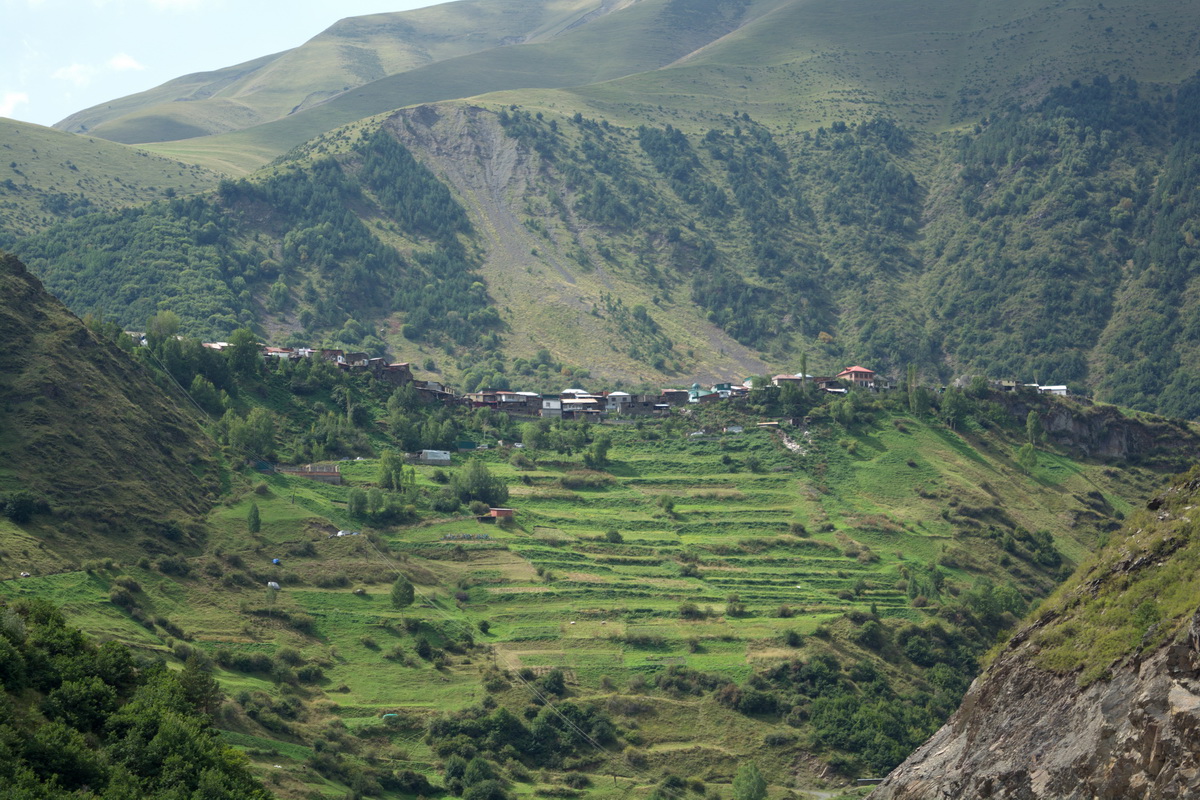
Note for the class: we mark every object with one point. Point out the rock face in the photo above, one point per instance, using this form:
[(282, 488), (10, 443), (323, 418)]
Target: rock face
[(1023, 733), (1027, 732), (1103, 432)]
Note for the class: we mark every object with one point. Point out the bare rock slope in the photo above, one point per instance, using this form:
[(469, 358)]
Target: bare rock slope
[(1063, 712)]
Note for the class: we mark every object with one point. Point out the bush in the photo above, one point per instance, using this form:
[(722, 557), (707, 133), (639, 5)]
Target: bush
[(173, 565)]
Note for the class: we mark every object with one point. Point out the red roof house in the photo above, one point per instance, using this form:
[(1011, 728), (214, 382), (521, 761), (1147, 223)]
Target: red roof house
[(858, 376)]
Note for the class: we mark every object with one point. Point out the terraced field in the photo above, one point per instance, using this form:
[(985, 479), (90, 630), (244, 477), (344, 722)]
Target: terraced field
[(718, 552)]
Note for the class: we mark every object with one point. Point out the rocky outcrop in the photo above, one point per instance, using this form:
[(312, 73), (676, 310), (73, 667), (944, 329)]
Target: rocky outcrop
[(1023, 733), (1104, 432), (1029, 731)]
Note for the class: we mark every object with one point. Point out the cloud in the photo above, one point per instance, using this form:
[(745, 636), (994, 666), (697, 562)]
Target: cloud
[(10, 101), (123, 62), (79, 74)]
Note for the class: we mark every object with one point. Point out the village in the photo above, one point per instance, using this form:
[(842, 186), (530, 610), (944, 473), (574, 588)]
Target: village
[(576, 404)]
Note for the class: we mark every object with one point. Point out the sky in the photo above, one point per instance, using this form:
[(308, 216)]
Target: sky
[(61, 56)]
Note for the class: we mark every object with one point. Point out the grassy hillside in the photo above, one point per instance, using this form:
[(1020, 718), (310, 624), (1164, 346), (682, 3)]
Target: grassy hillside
[(48, 176), (368, 65), (793, 64), (691, 596), (1116, 608), (109, 463)]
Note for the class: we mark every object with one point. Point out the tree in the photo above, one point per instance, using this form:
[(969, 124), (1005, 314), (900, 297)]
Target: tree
[(596, 456), (253, 521), (1033, 427), (533, 435), (477, 483), (243, 352), (955, 407), (391, 471), (356, 503), (402, 593), (1027, 457), (162, 326), (748, 783)]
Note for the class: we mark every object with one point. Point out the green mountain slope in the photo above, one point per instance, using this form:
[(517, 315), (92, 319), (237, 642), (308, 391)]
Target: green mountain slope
[(350, 53), (798, 63), (92, 434), (47, 176), (997, 251), (381, 62)]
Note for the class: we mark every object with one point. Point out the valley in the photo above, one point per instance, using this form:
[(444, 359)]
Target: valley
[(265, 474)]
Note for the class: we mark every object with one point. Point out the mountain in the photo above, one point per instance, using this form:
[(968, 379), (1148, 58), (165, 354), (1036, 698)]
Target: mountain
[(1111, 659), (51, 176), (791, 63), (104, 455), (986, 218), (367, 65)]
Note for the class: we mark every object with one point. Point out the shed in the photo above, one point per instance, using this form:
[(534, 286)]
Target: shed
[(439, 457), (497, 513)]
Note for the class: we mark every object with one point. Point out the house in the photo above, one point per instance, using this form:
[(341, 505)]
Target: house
[(526, 403), (280, 352), (582, 407), (617, 402), (780, 380), (725, 390), (676, 397), (1060, 391), (399, 374), (861, 377), (435, 392), (500, 513), (484, 398), (552, 407), (324, 473)]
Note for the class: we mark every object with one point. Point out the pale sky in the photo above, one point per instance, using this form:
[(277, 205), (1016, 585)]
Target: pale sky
[(61, 56)]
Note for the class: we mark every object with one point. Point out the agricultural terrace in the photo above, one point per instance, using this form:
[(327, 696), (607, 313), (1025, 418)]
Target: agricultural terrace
[(724, 553)]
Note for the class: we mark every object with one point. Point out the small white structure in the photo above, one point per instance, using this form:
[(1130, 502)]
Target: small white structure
[(1060, 391), (438, 457)]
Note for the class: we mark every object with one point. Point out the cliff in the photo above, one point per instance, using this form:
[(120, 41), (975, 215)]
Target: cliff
[(1099, 697)]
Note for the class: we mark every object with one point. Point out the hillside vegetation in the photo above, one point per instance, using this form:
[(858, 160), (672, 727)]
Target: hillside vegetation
[(1037, 247), (95, 448), (1109, 658), (96, 721), (688, 596)]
